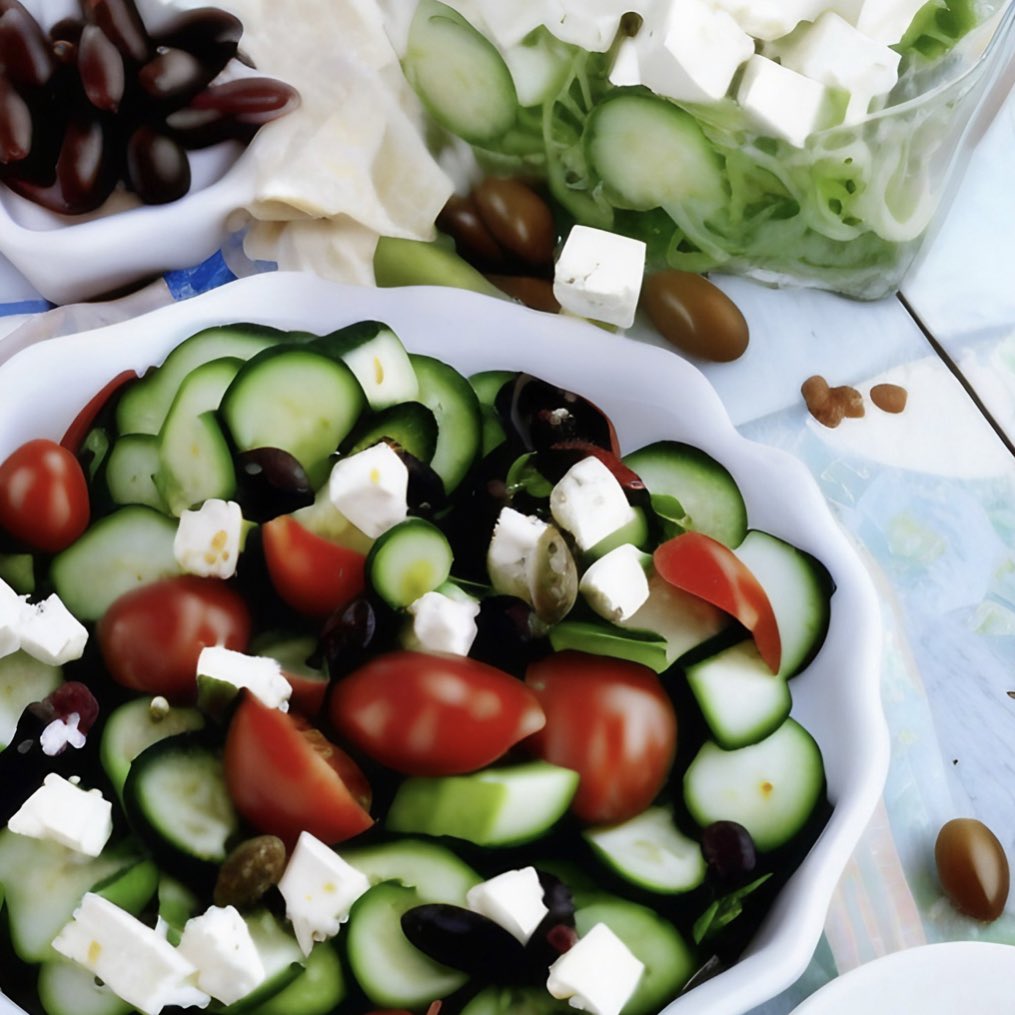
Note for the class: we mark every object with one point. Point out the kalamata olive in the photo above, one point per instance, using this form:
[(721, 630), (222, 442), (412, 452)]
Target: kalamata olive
[(157, 167), (464, 940), (425, 494), (349, 634), (249, 871), (84, 171), (122, 23), (728, 850), (24, 49), (271, 482), (973, 868), (695, 315), (173, 75), (555, 933), (555, 577), (249, 100), (201, 128), (207, 32), (536, 293), (519, 219), (557, 898), (460, 219), (100, 65), (558, 458), (67, 30), (15, 124)]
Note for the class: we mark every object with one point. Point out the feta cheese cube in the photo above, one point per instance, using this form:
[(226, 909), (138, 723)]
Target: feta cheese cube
[(258, 674), (781, 103), (207, 541), (219, 944), (591, 24), (511, 556), (443, 624), (50, 633), (11, 605), (319, 888), (513, 899), (626, 69), (132, 960), (81, 820), (693, 53), (370, 488), (589, 502), (598, 975), (771, 19), (509, 23), (598, 275), (616, 585), (887, 21)]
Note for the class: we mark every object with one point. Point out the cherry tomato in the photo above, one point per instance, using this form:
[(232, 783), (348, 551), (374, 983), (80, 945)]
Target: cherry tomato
[(43, 496), (309, 692), (83, 421), (313, 575), (612, 722), (706, 568), (151, 637), (284, 777), (433, 715)]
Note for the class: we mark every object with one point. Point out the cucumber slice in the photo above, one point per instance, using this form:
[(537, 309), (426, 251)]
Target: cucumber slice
[(177, 904), (375, 354), (493, 807), (458, 75), (123, 551), (668, 960), (740, 698), (652, 154), (407, 561), (280, 957), (770, 788), (433, 870), (131, 469), (318, 989), (799, 588), (515, 1001), (634, 531), (391, 971), (486, 385), (143, 406), (411, 425), (65, 988), (705, 489), (604, 639), (132, 888), (294, 399), (650, 851), (450, 397), (195, 463), (22, 681), (132, 728), (18, 570)]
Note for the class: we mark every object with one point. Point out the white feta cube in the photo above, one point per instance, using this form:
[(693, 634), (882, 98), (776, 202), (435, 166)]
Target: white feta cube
[(258, 674), (511, 557), (590, 24), (598, 975), (616, 585), (781, 103), (509, 23), (371, 488), (693, 53), (219, 944), (771, 19), (207, 541), (887, 21), (50, 633), (132, 960), (589, 502), (599, 274), (11, 605), (60, 811), (513, 899), (626, 69), (443, 624), (319, 888)]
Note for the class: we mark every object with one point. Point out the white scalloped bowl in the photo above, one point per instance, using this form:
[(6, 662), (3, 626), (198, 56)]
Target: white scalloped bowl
[(650, 394)]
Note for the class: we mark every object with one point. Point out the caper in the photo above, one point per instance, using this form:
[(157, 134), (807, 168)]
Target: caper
[(554, 577), (250, 870)]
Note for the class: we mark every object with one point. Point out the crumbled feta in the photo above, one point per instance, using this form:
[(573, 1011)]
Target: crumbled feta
[(509, 23), (207, 541), (319, 888), (511, 557), (370, 488), (443, 624), (61, 733), (258, 674), (598, 275), (589, 502), (771, 19), (11, 605), (513, 899), (616, 585), (598, 975), (60, 811), (219, 944), (132, 960), (887, 21), (591, 24), (51, 633), (782, 103)]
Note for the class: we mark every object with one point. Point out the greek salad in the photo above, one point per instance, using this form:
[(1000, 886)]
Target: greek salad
[(333, 681)]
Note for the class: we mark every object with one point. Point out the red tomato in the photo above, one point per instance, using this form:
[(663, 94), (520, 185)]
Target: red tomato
[(83, 421), (308, 692), (313, 575), (284, 777), (706, 568), (612, 722), (151, 637), (433, 715), (43, 496)]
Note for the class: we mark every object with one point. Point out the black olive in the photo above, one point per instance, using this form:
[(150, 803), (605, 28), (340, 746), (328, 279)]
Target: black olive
[(350, 633), (729, 851), (270, 482)]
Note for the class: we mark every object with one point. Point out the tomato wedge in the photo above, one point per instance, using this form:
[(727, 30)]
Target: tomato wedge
[(706, 568), (285, 777), (83, 421), (433, 715)]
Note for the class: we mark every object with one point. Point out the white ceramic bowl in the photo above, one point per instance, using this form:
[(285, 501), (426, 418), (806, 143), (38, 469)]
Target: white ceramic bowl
[(650, 394)]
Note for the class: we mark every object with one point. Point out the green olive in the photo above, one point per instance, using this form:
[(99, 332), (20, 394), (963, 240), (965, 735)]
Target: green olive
[(252, 868), (520, 220), (554, 577), (973, 868)]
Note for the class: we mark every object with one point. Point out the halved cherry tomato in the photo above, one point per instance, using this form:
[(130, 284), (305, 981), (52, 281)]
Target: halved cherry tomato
[(309, 692), (612, 722), (313, 575), (83, 421), (151, 637), (43, 496), (433, 715), (706, 568), (284, 777)]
